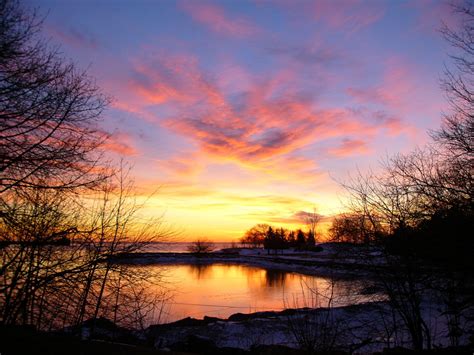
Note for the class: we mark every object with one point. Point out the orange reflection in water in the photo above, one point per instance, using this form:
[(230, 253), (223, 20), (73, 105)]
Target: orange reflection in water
[(220, 290)]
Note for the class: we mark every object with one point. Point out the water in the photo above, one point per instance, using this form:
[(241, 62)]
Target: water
[(220, 290)]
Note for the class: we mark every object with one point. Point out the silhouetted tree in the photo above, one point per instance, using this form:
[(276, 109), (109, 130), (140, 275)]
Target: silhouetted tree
[(48, 110), (281, 241), (300, 238), (457, 131), (310, 240), (255, 236), (201, 246), (49, 162), (312, 219), (352, 228), (291, 239), (50, 286), (419, 208), (271, 241)]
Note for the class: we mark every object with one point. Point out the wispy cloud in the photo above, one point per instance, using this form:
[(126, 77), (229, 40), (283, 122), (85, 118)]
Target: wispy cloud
[(121, 143), (217, 20), (307, 54), (248, 105), (259, 127), (76, 37), (350, 147), (348, 16), (430, 15), (182, 165), (351, 15), (395, 88)]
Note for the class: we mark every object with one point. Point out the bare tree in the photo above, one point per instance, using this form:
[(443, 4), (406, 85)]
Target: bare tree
[(59, 238), (352, 228), (201, 246), (255, 236), (317, 328), (392, 209), (50, 285), (457, 132), (48, 110), (418, 210), (312, 219)]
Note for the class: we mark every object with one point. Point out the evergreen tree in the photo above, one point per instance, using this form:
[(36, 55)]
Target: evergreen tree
[(270, 239), (300, 238), (291, 239), (310, 240)]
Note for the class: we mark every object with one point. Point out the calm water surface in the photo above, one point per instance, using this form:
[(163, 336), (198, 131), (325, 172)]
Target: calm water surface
[(220, 290)]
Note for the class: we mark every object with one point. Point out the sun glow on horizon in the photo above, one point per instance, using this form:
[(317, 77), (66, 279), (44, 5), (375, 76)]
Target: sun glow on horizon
[(233, 113)]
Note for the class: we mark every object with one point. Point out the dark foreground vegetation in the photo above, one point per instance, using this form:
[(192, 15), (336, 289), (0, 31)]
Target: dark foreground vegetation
[(419, 211), (412, 223), (64, 210), (188, 336)]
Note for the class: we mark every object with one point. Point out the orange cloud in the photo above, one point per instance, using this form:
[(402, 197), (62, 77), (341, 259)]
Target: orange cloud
[(263, 125), (184, 165), (165, 78), (120, 143)]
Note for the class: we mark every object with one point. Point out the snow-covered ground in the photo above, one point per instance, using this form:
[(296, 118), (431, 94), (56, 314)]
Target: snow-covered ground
[(335, 259), (359, 328)]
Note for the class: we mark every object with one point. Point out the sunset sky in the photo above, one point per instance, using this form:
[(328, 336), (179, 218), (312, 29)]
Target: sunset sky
[(245, 112)]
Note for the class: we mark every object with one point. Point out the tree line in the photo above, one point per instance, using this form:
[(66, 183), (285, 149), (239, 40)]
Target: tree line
[(278, 238)]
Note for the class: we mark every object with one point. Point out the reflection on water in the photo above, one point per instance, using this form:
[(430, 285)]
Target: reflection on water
[(220, 290), (275, 278), (199, 271)]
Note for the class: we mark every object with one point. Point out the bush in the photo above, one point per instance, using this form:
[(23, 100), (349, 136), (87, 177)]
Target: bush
[(201, 246)]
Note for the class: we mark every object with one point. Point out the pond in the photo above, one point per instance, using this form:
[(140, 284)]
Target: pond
[(220, 290)]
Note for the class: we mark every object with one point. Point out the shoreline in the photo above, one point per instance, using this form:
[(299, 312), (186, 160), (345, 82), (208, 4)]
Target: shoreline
[(331, 263), (359, 327)]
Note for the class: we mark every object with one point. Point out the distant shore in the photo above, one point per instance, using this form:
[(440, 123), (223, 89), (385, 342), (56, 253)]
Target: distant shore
[(331, 261)]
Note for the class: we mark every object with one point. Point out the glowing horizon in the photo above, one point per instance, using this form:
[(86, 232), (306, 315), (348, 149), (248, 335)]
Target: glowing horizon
[(238, 113)]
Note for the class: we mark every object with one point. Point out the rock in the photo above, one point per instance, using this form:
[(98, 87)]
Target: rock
[(196, 344), (209, 320), (239, 317)]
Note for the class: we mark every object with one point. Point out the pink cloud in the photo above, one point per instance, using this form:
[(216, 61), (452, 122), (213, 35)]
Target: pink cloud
[(395, 88), (183, 165), (432, 14), (406, 90), (259, 125), (73, 37), (164, 78), (350, 147), (284, 168), (369, 95), (216, 19), (268, 119), (121, 144), (345, 15), (351, 15)]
